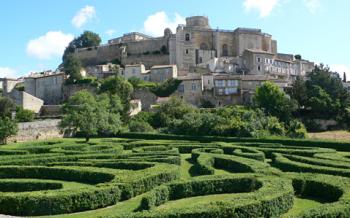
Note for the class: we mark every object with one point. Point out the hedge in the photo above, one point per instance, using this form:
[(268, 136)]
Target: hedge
[(340, 146), (288, 165), (271, 197)]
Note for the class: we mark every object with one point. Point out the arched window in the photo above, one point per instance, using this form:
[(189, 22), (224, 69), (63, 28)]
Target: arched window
[(203, 46), (225, 50), (187, 37)]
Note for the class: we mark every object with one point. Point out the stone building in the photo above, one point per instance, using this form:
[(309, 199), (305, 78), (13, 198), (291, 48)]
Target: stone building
[(190, 89), (160, 73), (20, 97), (102, 71), (136, 70), (46, 86)]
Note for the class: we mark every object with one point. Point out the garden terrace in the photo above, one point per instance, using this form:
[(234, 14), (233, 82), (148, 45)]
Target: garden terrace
[(175, 177)]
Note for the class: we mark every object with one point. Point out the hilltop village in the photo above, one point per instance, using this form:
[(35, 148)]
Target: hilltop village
[(213, 66)]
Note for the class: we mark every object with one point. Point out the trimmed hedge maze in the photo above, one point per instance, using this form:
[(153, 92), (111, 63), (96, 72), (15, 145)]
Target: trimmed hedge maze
[(175, 177)]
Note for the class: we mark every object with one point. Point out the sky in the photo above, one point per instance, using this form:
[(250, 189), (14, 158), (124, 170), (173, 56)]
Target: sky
[(34, 33)]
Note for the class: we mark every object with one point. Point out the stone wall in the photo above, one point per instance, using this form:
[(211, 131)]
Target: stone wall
[(43, 129), (148, 60)]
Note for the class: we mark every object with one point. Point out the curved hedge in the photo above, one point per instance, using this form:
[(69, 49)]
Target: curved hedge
[(226, 178), (258, 197)]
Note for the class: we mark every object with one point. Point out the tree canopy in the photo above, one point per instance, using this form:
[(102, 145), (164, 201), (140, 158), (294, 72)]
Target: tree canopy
[(72, 67), (87, 39), (8, 127), (274, 101), (321, 96), (92, 115)]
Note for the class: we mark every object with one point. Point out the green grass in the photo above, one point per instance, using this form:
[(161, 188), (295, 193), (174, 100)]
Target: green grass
[(301, 205)]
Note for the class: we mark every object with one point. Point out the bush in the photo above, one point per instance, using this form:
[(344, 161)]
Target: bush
[(23, 115), (296, 129)]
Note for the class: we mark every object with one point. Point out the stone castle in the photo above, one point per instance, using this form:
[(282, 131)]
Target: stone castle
[(220, 67)]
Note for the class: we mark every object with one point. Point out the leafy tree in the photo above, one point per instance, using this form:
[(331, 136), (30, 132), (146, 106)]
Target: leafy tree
[(166, 88), (298, 57), (72, 67), (140, 126), (298, 92), (274, 101), (91, 116), (173, 109), (117, 85), (321, 96), (296, 129), (6, 106), (87, 39), (344, 77), (8, 127), (320, 102)]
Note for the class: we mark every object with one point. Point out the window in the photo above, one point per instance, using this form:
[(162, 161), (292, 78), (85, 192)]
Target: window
[(219, 83), (208, 81), (186, 51), (133, 71), (181, 88), (194, 87), (259, 68), (258, 59), (187, 37), (203, 46), (200, 60), (224, 50), (230, 91), (220, 91), (232, 83)]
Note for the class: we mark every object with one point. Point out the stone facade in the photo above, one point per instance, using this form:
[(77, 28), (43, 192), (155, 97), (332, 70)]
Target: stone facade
[(160, 73), (47, 87), (43, 129)]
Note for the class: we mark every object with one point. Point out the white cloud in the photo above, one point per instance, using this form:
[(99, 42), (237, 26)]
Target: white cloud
[(265, 7), (83, 16), (50, 45), (312, 5), (156, 23), (340, 69), (110, 32), (7, 72)]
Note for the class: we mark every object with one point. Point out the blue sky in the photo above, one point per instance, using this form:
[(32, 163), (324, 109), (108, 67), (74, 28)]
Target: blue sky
[(34, 33)]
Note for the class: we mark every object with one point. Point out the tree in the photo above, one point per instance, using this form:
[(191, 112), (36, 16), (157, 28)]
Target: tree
[(344, 77), (298, 92), (92, 116), (8, 127), (166, 88), (87, 39), (298, 57), (117, 85), (274, 101), (6, 106), (72, 67), (80, 114), (175, 108)]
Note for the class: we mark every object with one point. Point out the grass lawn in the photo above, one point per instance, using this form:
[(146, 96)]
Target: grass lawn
[(300, 205)]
